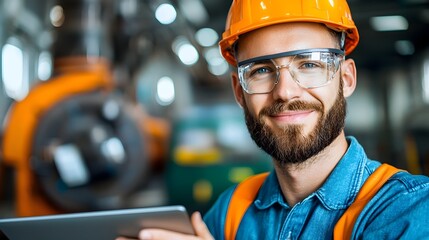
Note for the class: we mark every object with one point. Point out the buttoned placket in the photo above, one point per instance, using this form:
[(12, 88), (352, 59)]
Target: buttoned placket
[(296, 218)]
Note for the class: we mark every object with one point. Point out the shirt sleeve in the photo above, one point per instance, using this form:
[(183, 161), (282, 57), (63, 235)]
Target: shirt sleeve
[(402, 213)]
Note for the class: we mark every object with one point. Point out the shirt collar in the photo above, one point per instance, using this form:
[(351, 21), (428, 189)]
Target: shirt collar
[(338, 191)]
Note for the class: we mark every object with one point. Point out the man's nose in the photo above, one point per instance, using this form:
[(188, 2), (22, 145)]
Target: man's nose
[(287, 88)]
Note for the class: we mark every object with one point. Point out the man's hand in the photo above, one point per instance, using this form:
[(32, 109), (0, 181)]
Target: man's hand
[(201, 231)]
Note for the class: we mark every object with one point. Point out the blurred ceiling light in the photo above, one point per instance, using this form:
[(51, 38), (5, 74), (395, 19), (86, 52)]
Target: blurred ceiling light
[(128, 8), (57, 16), (389, 23), (216, 64), (194, 11), (165, 13), (165, 91), (404, 47), (186, 52), (44, 66), (179, 41), (425, 82), (206, 37), (13, 72)]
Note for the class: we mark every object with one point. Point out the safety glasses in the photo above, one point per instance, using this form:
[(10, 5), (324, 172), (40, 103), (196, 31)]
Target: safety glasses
[(310, 68)]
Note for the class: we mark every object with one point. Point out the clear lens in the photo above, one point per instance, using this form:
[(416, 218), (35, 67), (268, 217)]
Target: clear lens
[(312, 69), (258, 77), (309, 70)]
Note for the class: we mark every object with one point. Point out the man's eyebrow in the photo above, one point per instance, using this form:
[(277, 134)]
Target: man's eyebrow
[(289, 53)]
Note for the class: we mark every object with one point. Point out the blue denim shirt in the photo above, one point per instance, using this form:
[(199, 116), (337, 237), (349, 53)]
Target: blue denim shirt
[(400, 210)]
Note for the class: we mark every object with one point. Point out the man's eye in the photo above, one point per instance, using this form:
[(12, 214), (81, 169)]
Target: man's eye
[(309, 65), (261, 70)]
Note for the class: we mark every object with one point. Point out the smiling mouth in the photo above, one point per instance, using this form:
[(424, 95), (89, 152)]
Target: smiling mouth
[(297, 112), (292, 117)]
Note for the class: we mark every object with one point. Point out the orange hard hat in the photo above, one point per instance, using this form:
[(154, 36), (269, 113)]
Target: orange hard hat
[(248, 15)]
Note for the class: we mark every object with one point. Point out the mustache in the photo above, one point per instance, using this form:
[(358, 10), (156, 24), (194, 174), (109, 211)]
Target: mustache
[(298, 105)]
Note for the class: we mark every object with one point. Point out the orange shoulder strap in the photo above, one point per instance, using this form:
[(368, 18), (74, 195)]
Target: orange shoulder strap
[(246, 191), (243, 196), (344, 227)]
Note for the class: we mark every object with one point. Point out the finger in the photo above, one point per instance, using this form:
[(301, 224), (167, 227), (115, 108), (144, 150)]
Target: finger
[(159, 234), (200, 227)]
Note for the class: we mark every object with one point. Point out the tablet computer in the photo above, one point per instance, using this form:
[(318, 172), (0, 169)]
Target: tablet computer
[(96, 225)]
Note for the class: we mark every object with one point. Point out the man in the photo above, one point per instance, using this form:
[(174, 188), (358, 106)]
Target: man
[(292, 80)]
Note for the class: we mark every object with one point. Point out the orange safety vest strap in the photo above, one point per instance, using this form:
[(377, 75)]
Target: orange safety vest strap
[(245, 193), (344, 227), (243, 196)]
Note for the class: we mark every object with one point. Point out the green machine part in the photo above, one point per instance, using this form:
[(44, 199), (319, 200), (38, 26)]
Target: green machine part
[(210, 151)]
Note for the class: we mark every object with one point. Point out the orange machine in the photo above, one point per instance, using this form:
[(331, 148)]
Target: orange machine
[(23, 119), (75, 143), (35, 126)]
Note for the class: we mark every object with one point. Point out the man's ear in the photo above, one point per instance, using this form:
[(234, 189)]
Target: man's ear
[(348, 76), (236, 87)]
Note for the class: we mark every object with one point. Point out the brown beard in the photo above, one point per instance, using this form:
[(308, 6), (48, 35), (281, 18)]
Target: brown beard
[(290, 145)]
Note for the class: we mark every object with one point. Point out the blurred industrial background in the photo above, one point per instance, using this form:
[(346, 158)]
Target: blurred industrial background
[(108, 104)]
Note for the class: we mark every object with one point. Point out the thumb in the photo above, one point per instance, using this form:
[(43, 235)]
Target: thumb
[(200, 227)]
